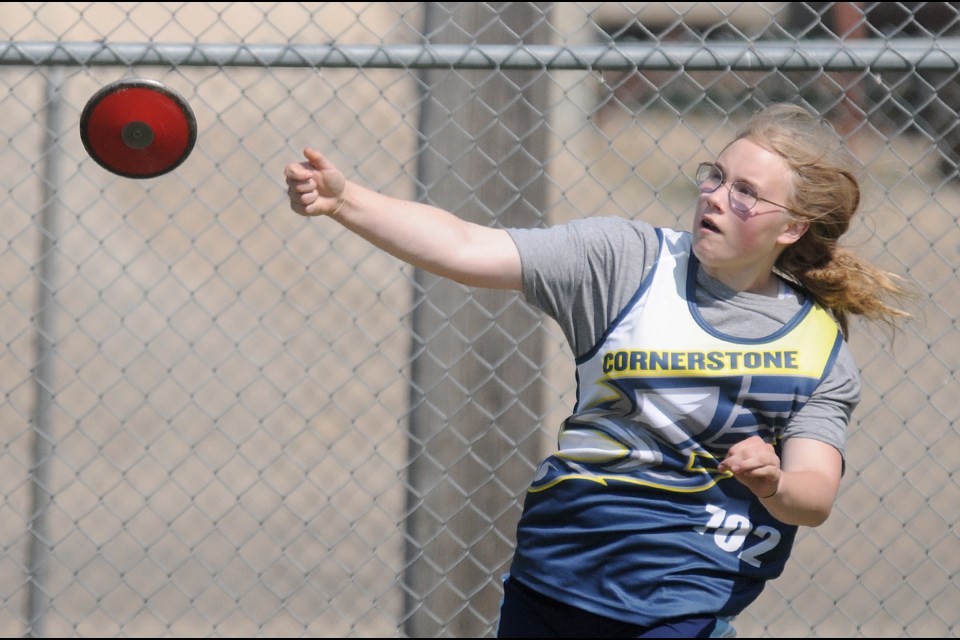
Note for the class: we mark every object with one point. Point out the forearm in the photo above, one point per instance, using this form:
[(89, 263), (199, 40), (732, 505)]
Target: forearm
[(802, 498), (800, 488), (431, 239)]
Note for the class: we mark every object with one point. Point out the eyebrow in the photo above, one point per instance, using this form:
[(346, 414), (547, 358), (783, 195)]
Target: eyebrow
[(726, 174)]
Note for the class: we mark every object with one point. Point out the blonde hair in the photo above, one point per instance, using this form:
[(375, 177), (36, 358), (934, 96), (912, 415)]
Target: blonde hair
[(826, 194)]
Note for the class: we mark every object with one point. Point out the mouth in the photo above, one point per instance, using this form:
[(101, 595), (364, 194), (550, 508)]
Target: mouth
[(707, 224)]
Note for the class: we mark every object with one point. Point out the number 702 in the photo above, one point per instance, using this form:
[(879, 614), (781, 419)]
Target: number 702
[(730, 533)]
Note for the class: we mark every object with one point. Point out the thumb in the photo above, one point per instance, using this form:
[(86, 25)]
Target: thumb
[(316, 159), (329, 180)]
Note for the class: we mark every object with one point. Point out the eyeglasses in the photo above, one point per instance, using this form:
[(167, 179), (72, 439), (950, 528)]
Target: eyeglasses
[(743, 197)]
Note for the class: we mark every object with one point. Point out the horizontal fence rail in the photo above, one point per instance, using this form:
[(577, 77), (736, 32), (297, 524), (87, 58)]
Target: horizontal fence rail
[(810, 55)]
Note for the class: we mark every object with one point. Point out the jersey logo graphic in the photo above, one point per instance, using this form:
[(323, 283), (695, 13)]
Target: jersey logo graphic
[(644, 436)]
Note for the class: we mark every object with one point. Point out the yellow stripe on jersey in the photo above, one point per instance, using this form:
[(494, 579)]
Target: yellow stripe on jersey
[(786, 356)]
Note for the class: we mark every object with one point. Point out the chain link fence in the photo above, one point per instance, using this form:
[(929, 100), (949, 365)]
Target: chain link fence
[(222, 419)]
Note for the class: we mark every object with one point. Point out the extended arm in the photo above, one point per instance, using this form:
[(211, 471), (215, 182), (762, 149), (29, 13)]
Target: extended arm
[(421, 235)]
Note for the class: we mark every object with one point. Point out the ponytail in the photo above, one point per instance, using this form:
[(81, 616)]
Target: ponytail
[(826, 195)]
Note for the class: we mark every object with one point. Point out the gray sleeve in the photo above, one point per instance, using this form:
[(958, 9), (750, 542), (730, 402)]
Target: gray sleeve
[(584, 272), (826, 415)]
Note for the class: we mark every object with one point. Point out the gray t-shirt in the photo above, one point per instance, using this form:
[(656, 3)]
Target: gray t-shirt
[(583, 273)]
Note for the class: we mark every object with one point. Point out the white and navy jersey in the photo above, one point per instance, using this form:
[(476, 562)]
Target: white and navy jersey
[(630, 518)]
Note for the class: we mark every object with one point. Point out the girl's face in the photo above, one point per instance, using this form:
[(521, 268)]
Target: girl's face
[(740, 247)]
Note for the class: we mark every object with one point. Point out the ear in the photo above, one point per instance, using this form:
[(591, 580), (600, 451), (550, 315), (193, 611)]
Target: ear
[(793, 231)]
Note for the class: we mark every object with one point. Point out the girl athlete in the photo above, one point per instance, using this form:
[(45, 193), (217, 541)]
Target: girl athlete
[(715, 383)]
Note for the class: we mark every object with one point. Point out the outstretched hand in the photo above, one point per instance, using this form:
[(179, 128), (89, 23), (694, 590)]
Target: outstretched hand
[(754, 463), (315, 186)]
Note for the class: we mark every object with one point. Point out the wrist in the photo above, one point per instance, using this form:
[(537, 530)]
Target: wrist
[(337, 209), (776, 490), (341, 202)]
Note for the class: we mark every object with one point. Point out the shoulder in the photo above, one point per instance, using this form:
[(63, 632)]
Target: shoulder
[(844, 377), (596, 227), (827, 414), (594, 240)]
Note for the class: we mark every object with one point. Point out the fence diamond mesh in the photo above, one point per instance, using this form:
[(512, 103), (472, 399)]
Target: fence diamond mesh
[(222, 419)]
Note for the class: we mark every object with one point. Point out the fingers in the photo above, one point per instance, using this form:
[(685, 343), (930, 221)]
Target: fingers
[(306, 201), (307, 175), (748, 460), (751, 448), (755, 463), (315, 186), (302, 193), (749, 456), (301, 186)]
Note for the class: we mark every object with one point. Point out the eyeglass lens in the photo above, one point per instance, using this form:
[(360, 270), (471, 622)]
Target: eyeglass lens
[(742, 196)]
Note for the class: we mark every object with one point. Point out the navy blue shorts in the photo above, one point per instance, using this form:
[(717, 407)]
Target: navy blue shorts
[(525, 613)]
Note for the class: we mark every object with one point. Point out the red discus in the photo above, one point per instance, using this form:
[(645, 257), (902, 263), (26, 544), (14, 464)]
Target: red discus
[(138, 128)]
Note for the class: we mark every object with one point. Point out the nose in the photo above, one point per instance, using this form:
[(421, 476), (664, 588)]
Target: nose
[(719, 196)]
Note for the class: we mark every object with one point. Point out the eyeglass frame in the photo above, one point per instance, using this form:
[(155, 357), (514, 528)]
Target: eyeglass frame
[(730, 187)]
